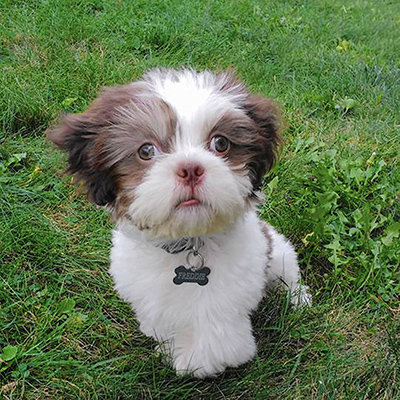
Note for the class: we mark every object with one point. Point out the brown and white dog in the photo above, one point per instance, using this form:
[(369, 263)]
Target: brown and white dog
[(178, 158)]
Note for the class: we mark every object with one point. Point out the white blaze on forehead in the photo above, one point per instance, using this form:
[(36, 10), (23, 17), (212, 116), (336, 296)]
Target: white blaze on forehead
[(185, 91), (197, 101), (187, 100)]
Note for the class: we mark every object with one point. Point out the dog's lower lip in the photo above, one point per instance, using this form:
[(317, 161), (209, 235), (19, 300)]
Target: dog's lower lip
[(189, 203)]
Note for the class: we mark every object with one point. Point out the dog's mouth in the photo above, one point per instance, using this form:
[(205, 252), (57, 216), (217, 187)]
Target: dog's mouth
[(189, 203)]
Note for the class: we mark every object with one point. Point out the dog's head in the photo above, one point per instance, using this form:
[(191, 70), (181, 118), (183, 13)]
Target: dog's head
[(179, 153)]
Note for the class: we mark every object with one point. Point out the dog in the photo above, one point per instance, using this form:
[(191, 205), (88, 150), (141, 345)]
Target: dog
[(178, 158)]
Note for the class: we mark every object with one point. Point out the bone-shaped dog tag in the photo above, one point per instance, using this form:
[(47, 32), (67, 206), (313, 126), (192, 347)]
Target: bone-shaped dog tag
[(189, 275)]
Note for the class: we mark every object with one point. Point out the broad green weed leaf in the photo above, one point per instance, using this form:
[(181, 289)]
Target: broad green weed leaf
[(348, 103), (16, 159), (343, 45), (394, 228), (352, 231), (66, 103), (393, 233), (66, 306), (345, 105), (9, 352), (334, 245)]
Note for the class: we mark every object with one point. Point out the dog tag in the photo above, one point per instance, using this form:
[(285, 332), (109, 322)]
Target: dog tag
[(190, 275)]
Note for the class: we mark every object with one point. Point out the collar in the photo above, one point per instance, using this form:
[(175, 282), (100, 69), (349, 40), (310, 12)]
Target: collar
[(182, 244)]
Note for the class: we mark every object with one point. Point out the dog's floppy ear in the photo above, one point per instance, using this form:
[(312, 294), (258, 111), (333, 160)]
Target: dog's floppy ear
[(267, 118), (81, 137)]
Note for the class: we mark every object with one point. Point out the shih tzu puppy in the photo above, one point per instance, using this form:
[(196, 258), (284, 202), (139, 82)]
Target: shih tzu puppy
[(178, 159)]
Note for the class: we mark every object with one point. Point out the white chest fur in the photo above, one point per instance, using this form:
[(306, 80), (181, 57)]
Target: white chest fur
[(143, 276)]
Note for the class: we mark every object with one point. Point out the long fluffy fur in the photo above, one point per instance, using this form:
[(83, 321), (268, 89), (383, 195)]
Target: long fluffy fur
[(203, 329)]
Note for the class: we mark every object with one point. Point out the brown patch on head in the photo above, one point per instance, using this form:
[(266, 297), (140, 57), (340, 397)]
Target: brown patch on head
[(267, 119), (102, 142), (253, 135), (240, 130)]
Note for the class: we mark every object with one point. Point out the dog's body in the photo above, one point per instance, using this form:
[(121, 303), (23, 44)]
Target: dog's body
[(179, 159), (203, 329)]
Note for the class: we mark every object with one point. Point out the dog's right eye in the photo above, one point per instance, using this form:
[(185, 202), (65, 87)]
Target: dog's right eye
[(148, 151), (219, 144)]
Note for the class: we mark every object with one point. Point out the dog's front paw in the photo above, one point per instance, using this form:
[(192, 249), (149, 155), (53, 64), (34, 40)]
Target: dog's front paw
[(211, 354), (188, 361), (187, 364)]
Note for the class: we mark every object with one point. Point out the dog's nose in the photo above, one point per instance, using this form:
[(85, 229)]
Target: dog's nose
[(190, 173)]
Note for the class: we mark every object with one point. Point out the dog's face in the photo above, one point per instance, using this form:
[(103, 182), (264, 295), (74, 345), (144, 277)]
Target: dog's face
[(179, 153)]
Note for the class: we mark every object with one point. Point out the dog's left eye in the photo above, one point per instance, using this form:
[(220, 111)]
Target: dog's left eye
[(148, 151), (219, 144)]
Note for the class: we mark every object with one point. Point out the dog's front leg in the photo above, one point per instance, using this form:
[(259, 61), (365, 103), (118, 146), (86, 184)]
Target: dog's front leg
[(208, 348)]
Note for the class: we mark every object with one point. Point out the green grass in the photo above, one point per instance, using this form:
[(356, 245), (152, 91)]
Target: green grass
[(334, 66)]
